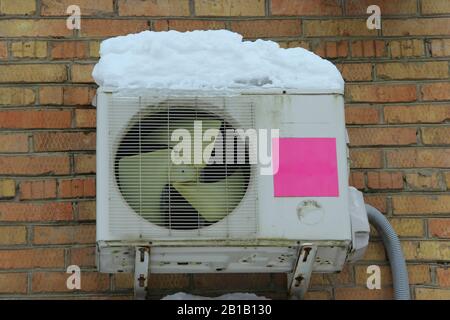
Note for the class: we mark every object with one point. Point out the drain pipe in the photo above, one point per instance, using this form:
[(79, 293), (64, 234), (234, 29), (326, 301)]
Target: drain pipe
[(394, 252)]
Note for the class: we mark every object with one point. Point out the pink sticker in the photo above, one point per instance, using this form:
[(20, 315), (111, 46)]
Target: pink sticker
[(307, 167)]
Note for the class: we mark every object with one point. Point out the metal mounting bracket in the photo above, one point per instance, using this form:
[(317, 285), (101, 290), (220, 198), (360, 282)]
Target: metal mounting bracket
[(141, 267), (298, 280)]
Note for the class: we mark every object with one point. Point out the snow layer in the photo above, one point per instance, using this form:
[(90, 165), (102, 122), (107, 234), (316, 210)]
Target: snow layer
[(228, 296), (207, 60)]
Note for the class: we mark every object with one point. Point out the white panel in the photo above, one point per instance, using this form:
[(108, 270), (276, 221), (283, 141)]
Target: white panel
[(304, 116)]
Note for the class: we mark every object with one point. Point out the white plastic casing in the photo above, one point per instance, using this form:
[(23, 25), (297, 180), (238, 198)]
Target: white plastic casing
[(283, 223)]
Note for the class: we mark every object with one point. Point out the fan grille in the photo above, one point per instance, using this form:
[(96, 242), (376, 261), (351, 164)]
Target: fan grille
[(182, 197)]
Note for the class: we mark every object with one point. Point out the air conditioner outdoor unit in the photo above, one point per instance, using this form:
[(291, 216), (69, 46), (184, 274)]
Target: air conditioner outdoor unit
[(160, 213)]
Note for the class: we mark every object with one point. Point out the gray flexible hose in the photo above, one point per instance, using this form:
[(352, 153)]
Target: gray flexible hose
[(394, 252)]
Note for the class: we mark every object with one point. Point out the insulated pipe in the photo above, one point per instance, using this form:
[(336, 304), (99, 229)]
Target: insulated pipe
[(394, 252)]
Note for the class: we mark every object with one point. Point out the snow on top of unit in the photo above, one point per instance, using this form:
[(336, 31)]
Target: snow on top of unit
[(227, 296), (205, 60)]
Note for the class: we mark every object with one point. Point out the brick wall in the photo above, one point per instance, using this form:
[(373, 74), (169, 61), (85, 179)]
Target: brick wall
[(398, 107)]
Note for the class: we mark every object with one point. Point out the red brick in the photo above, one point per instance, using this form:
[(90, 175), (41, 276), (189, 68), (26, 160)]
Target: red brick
[(435, 6), (123, 281), (440, 47), (85, 118), (431, 294), (407, 48), (82, 257), (168, 281), (78, 95), (418, 158), (22, 7), (387, 7), (421, 204), (436, 136), (111, 27), (382, 136), (317, 295), (38, 189), (344, 277), (13, 282), (375, 251), (294, 44), (384, 180), (187, 25), (12, 235), (79, 234), (229, 8), (368, 48), (77, 188), (56, 282), (82, 73), (357, 179), (267, 28), (3, 50), (380, 93), (331, 49), (64, 141), (443, 276), (31, 258), (16, 96), (51, 95), (154, 8), (69, 50), (423, 180), (237, 281), (417, 114), (416, 27), (356, 71), (87, 7), (86, 210), (35, 119), (29, 49), (335, 28), (365, 158), (363, 293), (7, 188), (34, 165), (34, 28), (433, 251), (32, 73), (361, 114), (412, 70), (85, 163), (447, 179), (336, 49), (13, 142), (48, 211), (436, 91), (439, 228), (94, 49), (377, 201), (306, 7), (408, 228)]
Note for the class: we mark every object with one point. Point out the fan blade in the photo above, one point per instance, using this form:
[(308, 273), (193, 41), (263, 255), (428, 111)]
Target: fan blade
[(213, 201), (142, 179)]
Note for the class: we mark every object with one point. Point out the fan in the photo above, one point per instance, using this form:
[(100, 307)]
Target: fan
[(179, 196)]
